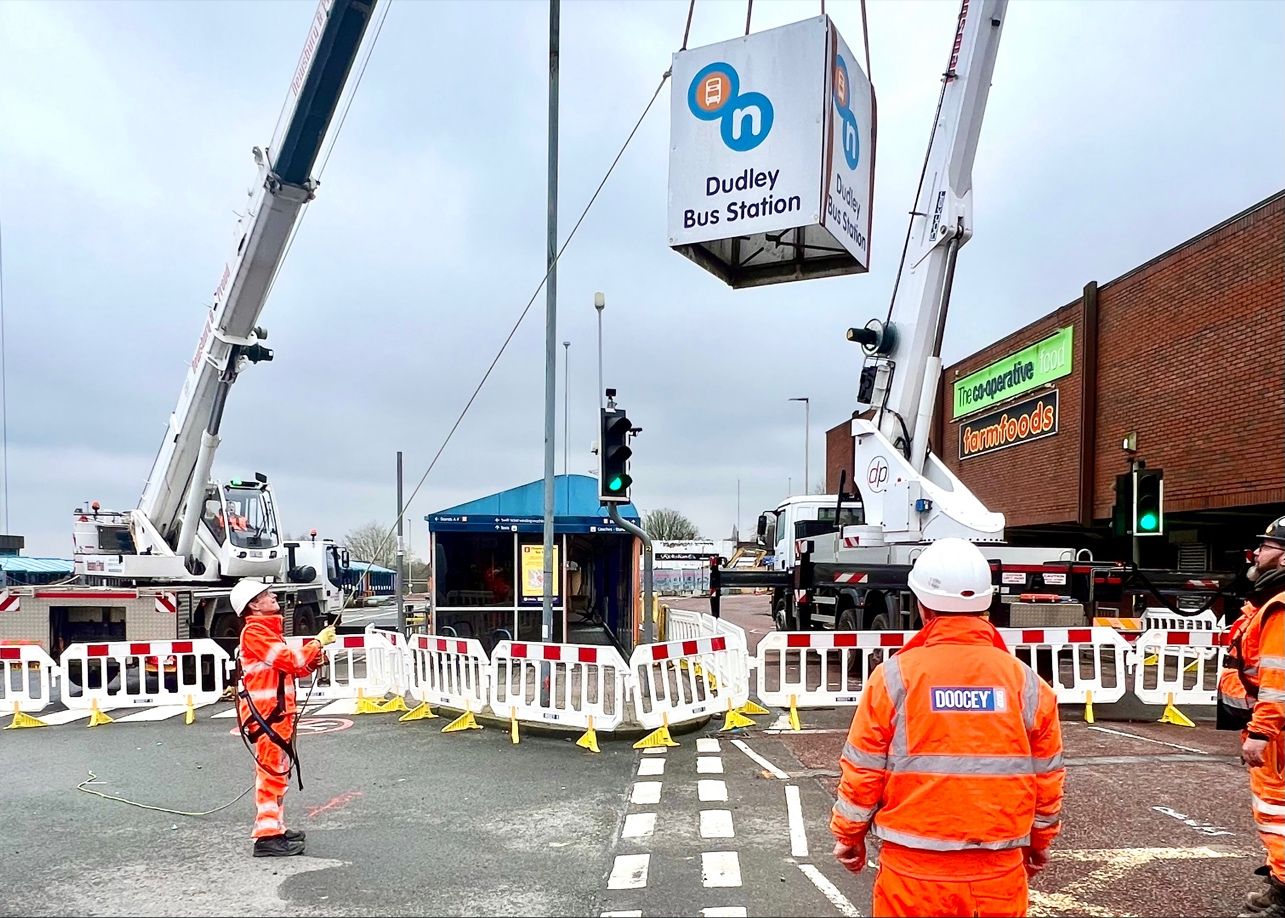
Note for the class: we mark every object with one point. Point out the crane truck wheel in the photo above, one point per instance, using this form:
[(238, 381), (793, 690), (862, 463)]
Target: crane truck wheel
[(305, 619), (779, 615)]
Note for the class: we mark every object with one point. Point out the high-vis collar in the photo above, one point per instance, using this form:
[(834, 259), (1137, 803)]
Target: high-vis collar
[(957, 629)]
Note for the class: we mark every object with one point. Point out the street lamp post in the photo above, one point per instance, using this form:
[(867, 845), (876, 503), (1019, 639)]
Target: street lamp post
[(600, 303), (807, 430), (566, 403)]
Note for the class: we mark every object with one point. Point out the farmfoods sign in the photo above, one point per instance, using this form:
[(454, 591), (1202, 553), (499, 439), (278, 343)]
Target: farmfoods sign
[(1029, 368), (1030, 419)]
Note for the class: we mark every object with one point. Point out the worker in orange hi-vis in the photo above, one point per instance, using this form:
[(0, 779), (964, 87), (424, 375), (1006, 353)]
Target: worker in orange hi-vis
[(954, 758), (1251, 699), (266, 708)]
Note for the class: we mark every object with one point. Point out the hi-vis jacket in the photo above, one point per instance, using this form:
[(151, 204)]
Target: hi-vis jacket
[(268, 671), (1251, 687), (955, 746)]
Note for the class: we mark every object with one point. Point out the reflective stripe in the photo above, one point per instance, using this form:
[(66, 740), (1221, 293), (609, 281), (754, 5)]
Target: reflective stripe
[(1045, 766), (1249, 672), (853, 812), (1272, 662), (1271, 694), (1268, 828), (250, 669), (941, 844), (1030, 697), (1235, 701), (962, 764), (1270, 809), (855, 757), (1047, 822), (896, 685), (263, 694)]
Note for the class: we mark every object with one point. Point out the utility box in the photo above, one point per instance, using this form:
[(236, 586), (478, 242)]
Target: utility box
[(771, 158)]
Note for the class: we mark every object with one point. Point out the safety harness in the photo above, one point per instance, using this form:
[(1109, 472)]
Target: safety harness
[(265, 726)]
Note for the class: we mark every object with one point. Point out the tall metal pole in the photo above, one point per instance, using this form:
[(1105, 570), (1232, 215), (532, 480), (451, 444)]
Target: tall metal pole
[(648, 568), (399, 582), (551, 325), (807, 448), (566, 405), (600, 303)]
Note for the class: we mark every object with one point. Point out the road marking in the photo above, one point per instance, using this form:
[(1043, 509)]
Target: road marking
[(774, 730), (649, 768), (656, 750), (717, 824), (164, 712), (776, 772), (1147, 739), (707, 744), (709, 791), (645, 793), (794, 810), (720, 868), (334, 803), (637, 913), (709, 765), (629, 871), (639, 825), (724, 911), (830, 891), (67, 716), (339, 706)]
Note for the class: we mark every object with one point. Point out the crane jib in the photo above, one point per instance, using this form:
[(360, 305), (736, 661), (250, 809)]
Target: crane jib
[(333, 52)]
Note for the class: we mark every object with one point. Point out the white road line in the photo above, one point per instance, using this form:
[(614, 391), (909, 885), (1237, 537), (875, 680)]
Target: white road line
[(645, 793), (724, 911), (67, 716), (655, 750), (639, 825), (794, 810), (780, 725), (629, 871), (709, 765), (229, 713), (709, 791), (162, 712), (707, 744), (776, 772), (830, 891), (338, 706), (636, 913), (1147, 739), (717, 824), (720, 868), (649, 768)]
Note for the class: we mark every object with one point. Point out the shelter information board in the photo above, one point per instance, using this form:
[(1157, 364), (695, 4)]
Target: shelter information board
[(533, 573)]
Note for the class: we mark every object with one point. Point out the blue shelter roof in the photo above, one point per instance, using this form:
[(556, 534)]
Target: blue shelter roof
[(521, 509)]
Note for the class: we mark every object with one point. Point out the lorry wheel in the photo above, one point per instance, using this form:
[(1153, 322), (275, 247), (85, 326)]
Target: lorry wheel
[(305, 619), (847, 620), (779, 616)]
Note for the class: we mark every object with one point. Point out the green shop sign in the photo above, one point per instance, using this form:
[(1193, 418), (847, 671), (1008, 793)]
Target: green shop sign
[(1030, 367)]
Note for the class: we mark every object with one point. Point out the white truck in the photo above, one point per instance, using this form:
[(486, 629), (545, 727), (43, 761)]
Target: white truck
[(164, 569)]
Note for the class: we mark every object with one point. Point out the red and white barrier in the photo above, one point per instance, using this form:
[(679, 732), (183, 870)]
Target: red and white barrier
[(116, 674), (453, 672), (586, 685), (1186, 667), (676, 681), (366, 664), (682, 625), (820, 668), (1084, 665), (28, 673)]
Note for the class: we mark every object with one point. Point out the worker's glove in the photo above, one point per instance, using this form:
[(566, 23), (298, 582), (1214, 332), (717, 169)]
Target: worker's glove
[(327, 635), (853, 857)]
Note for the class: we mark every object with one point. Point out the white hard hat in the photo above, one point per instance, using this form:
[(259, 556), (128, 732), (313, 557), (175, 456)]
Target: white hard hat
[(245, 591), (951, 575)]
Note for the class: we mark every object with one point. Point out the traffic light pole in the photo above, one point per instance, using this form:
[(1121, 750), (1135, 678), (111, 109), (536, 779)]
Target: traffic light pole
[(1137, 551), (648, 557), (551, 329)]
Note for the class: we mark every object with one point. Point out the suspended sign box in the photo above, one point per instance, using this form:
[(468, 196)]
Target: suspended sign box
[(771, 157)]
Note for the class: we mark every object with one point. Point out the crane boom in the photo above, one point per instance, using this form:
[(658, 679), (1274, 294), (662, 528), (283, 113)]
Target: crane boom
[(231, 336)]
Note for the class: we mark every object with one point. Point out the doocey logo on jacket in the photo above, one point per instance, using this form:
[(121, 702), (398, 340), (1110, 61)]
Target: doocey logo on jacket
[(745, 119)]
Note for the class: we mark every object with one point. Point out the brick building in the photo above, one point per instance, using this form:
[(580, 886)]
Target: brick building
[(1185, 353)]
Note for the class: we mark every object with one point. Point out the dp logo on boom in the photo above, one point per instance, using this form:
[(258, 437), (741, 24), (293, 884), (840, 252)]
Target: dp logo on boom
[(744, 119)]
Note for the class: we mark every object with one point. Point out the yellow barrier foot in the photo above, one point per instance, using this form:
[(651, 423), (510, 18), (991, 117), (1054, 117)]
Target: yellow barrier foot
[(513, 725), (21, 720), (1173, 716), (465, 721), (1088, 707), (421, 712), (190, 716), (96, 717), (658, 737), (794, 716), (394, 704), (1192, 666), (590, 739), (368, 705), (734, 719), (753, 707), (1151, 660)]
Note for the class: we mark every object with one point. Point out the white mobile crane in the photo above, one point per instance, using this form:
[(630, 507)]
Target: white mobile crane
[(164, 569)]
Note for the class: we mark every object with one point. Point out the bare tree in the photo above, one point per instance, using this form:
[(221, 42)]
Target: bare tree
[(669, 525), (372, 542)]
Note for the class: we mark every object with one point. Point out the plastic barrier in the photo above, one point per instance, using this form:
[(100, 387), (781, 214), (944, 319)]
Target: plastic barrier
[(682, 625), (118, 674), (386, 659), (1083, 665), (820, 668), (567, 684), (449, 671), (1161, 619), (1186, 668), (356, 665), (672, 680), (28, 674)]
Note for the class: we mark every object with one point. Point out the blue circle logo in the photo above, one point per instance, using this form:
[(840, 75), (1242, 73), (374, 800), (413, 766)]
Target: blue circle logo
[(745, 119), (842, 96)]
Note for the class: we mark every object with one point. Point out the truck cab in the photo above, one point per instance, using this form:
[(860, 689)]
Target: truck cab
[(795, 518)]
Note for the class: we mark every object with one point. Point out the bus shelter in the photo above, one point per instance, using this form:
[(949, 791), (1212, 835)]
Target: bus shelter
[(487, 567)]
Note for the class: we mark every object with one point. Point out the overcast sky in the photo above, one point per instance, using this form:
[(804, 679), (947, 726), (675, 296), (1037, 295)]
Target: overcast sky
[(1114, 131)]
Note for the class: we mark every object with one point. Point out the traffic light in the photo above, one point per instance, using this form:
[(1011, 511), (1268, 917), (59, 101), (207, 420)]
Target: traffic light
[(1149, 514), (1122, 510), (613, 457)]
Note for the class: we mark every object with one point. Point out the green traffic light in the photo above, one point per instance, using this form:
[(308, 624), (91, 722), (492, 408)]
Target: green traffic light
[(1149, 522), (615, 484)]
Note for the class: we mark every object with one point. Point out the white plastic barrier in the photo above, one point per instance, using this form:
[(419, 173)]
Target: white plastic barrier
[(28, 674), (583, 682), (672, 680), (682, 625), (386, 659), (811, 669), (119, 674), (355, 663), (1161, 619), (1082, 664), (1186, 668), (449, 671)]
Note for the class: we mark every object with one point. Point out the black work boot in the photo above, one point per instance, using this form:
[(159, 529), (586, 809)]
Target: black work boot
[(1268, 902), (296, 835), (277, 846)]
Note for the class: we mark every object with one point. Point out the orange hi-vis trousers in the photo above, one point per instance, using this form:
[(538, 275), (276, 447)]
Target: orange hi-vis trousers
[(271, 779), (918, 884), (1267, 784)]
